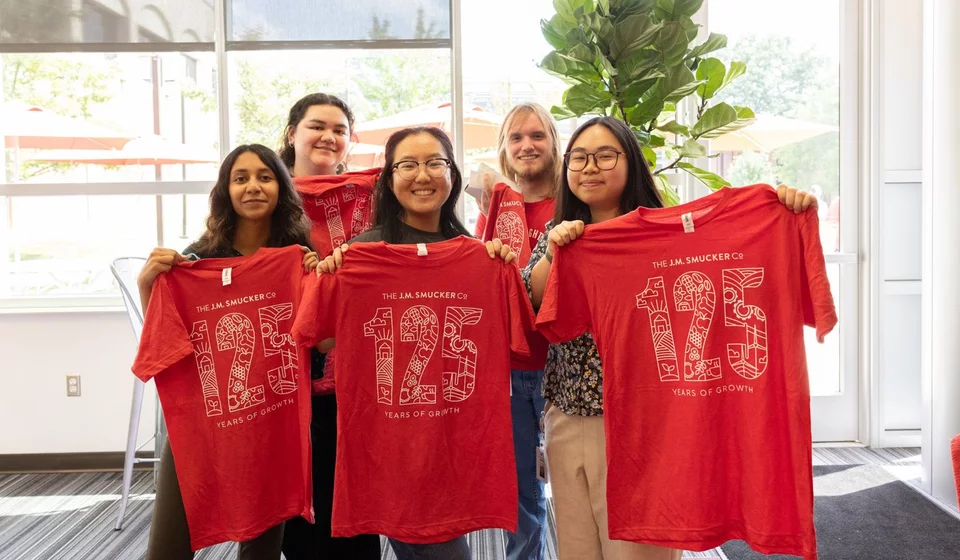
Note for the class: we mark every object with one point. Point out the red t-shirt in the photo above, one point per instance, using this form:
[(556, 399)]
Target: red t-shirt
[(535, 217), (339, 206), (716, 446), (235, 391), (533, 220), (425, 446)]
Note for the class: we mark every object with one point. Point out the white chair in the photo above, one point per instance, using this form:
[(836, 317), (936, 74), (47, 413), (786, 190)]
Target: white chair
[(125, 270)]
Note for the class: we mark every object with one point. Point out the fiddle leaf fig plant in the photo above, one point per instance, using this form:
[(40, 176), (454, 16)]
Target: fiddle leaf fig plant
[(636, 60)]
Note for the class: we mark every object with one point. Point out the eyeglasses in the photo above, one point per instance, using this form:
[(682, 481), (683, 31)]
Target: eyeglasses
[(605, 159), (408, 170)]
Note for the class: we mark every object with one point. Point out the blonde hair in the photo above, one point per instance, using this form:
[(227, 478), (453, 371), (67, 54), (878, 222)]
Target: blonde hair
[(556, 154)]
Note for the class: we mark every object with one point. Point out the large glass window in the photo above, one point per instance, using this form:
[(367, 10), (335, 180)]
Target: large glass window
[(799, 75), (500, 58)]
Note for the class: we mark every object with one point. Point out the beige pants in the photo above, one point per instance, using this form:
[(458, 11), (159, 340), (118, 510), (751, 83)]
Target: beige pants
[(577, 467)]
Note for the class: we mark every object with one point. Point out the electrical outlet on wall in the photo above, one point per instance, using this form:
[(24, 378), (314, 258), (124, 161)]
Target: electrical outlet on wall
[(73, 385)]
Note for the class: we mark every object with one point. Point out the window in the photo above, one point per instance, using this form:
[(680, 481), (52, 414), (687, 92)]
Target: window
[(82, 127), (44, 24), (801, 81), (499, 70), (77, 144), (338, 20)]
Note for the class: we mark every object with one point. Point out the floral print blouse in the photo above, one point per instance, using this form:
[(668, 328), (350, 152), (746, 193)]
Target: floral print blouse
[(573, 380)]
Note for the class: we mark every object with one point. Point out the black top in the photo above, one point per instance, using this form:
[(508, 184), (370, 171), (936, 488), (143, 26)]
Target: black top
[(408, 236), (317, 360)]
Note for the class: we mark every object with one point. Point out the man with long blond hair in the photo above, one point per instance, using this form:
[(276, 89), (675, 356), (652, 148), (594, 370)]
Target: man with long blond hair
[(529, 154)]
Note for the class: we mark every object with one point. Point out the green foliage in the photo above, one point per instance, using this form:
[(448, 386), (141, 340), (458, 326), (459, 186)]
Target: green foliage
[(750, 168), (64, 85), (635, 60), (385, 80)]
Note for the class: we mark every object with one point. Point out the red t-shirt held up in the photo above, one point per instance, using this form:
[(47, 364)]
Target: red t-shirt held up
[(235, 391), (534, 217), (715, 446), (425, 446), (339, 206), (506, 224)]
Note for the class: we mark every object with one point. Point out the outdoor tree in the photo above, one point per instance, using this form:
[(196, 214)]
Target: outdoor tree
[(779, 74), (66, 85), (36, 21), (635, 60), (392, 82), (797, 83)]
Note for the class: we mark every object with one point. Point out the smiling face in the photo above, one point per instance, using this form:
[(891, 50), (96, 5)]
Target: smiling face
[(599, 189), (528, 147), (422, 196), (320, 140), (254, 189)]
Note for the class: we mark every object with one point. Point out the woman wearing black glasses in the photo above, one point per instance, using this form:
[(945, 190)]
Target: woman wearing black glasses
[(606, 177)]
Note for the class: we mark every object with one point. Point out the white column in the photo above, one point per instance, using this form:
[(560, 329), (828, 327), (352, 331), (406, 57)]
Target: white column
[(941, 244)]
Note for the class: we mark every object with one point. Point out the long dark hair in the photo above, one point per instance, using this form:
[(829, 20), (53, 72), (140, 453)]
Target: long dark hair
[(388, 214), (298, 111), (641, 189), (288, 225)]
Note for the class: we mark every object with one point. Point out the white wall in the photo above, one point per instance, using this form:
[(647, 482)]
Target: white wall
[(900, 64), (37, 351)]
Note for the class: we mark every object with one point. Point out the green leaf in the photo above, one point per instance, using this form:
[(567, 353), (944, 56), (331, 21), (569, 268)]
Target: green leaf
[(714, 121), (637, 90), (714, 42), (669, 195), (711, 180), (555, 31), (642, 113), (672, 43), (604, 6), (625, 8), (565, 9), (562, 113), (650, 156), (570, 70), (693, 149), (642, 136), (657, 140), (632, 35), (604, 62), (676, 9), (745, 118), (639, 65), (710, 71), (674, 127), (583, 99), (581, 52), (678, 83), (737, 69)]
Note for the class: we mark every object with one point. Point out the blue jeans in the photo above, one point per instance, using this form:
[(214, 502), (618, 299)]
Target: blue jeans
[(457, 549), (526, 406)]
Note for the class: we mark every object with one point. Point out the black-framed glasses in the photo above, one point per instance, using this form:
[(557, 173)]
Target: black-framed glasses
[(605, 159), (408, 169)]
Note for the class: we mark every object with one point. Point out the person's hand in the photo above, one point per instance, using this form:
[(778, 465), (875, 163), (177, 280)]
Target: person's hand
[(333, 262), (497, 248), (562, 234), (796, 200), (310, 259), (160, 260), (486, 195)]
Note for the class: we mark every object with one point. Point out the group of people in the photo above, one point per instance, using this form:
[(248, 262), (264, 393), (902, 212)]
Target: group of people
[(557, 394)]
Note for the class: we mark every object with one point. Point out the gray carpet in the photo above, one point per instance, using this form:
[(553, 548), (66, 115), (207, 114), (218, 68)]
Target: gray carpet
[(863, 512), (71, 515)]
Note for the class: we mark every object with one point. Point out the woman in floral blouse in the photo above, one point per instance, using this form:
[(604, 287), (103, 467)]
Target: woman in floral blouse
[(606, 176)]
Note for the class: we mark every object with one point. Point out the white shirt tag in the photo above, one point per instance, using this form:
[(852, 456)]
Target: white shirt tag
[(687, 220), (227, 276), (421, 249)]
